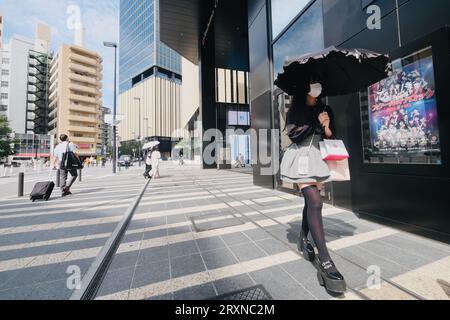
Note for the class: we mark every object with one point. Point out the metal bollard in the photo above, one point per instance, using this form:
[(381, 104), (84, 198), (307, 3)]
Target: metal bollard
[(58, 178), (79, 175), (21, 183)]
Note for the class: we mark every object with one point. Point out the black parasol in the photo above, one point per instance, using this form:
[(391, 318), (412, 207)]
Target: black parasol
[(341, 71)]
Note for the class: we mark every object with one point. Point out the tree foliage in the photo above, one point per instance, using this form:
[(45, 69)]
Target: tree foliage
[(5, 138), (127, 148)]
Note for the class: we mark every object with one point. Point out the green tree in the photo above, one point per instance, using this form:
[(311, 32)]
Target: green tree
[(127, 148), (5, 138)]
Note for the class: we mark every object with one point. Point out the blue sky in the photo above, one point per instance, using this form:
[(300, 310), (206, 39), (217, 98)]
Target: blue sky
[(100, 19)]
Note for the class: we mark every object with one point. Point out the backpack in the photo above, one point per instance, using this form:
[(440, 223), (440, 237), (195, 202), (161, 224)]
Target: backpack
[(70, 161)]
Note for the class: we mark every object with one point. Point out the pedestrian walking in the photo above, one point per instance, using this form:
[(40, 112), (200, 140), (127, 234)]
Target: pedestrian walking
[(156, 159), (148, 164), (241, 160), (308, 122), (181, 162), (61, 153)]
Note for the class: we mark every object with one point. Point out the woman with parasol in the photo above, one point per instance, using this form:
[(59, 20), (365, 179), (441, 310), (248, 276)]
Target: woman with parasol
[(308, 122)]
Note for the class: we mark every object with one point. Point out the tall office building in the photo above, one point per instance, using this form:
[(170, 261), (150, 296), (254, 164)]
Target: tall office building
[(4, 80), (150, 75), (24, 81), (4, 73), (39, 60), (105, 137), (75, 97)]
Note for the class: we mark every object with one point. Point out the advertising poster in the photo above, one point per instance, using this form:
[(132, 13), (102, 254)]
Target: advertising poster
[(402, 108)]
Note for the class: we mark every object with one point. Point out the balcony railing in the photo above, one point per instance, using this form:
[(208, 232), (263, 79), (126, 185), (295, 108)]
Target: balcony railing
[(82, 119), (83, 59), (82, 108), (82, 129), (77, 97)]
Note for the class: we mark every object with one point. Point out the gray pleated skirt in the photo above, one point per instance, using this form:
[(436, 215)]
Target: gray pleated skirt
[(318, 171)]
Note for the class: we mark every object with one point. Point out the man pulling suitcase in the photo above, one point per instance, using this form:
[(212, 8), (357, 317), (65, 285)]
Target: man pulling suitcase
[(69, 162)]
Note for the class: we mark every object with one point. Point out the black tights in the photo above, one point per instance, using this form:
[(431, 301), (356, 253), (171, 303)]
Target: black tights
[(312, 220)]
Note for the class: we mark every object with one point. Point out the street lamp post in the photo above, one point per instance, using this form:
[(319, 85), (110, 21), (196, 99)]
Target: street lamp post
[(114, 45), (140, 132)]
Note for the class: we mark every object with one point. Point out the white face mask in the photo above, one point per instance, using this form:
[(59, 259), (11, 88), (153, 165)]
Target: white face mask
[(316, 90)]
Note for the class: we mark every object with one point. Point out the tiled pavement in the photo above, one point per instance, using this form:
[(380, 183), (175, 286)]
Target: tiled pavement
[(39, 241), (200, 234)]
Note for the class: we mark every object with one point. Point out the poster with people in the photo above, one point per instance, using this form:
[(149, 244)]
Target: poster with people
[(402, 108)]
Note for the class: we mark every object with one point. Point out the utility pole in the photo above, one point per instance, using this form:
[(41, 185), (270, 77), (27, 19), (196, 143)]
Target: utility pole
[(114, 45)]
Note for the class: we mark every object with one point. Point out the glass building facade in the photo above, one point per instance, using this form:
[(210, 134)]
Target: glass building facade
[(140, 47)]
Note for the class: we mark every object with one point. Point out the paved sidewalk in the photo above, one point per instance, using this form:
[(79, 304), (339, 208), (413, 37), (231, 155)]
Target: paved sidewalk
[(9, 185), (200, 234), (39, 241)]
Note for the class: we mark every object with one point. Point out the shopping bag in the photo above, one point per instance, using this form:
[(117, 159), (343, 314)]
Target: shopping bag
[(333, 150), (339, 170)]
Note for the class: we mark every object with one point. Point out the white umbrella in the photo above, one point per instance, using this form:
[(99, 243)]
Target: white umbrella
[(151, 145)]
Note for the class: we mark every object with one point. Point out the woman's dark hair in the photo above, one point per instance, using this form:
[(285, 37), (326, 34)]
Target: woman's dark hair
[(315, 77), (297, 113), (63, 137)]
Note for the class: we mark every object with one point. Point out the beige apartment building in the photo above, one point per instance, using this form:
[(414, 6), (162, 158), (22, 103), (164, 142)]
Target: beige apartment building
[(75, 106)]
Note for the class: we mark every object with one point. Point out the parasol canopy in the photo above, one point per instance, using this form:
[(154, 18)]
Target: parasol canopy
[(151, 145), (341, 71)]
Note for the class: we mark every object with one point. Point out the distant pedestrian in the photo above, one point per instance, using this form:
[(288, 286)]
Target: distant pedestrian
[(156, 158), (181, 163), (148, 165), (59, 152)]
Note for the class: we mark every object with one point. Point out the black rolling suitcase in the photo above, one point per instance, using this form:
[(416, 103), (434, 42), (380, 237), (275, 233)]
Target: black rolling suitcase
[(42, 191)]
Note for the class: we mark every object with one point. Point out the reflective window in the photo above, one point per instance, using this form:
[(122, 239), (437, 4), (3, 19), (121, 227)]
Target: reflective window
[(231, 86), (139, 40), (305, 36), (283, 11)]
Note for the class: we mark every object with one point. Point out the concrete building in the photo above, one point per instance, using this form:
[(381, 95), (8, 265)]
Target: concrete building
[(4, 80), (4, 73), (75, 97), (23, 88), (19, 49), (39, 60), (150, 76), (106, 134)]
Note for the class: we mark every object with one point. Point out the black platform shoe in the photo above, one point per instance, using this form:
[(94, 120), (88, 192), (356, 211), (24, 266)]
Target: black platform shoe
[(330, 278), (306, 248)]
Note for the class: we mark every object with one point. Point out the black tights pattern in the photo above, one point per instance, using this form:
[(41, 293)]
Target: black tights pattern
[(313, 222)]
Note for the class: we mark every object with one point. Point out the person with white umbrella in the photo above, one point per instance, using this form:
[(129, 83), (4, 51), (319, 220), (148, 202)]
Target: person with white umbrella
[(152, 159), (148, 164), (156, 159)]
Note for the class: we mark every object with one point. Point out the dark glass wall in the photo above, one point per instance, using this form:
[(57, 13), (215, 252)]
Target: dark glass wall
[(224, 46), (261, 80), (411, 197)]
